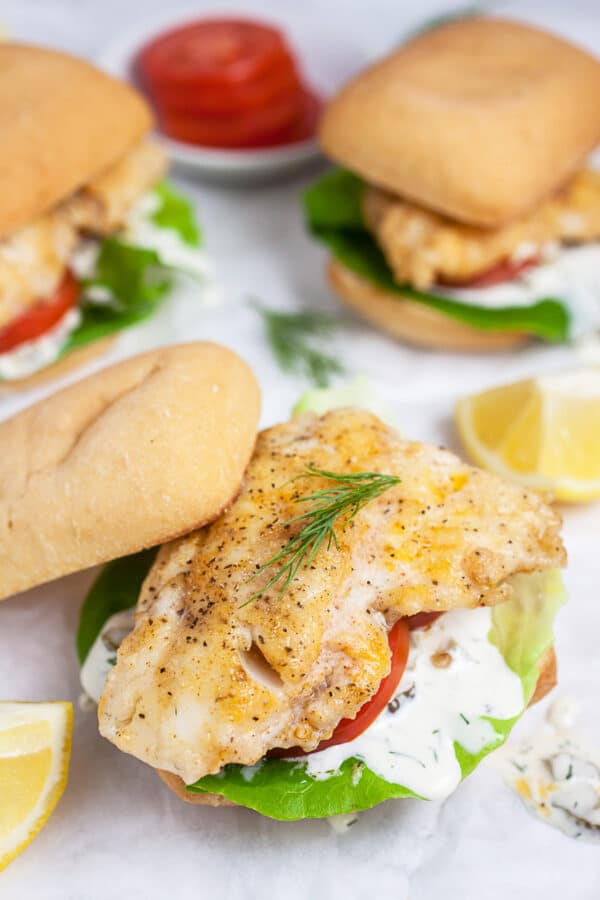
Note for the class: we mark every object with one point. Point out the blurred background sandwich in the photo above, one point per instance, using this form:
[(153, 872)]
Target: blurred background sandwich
[(464, 182), (89, 234)]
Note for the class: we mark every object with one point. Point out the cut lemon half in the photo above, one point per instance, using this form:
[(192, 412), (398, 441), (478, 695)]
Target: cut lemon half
[(542, 433), (35, 746)]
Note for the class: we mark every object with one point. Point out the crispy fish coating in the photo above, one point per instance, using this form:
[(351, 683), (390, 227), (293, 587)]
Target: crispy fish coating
[(207, 678), (423, 247), (101, 207), (33, 259), (32, 263)]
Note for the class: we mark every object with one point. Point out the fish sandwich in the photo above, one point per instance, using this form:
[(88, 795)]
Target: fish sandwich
[(305, 622), (465, 216), (91, 235)]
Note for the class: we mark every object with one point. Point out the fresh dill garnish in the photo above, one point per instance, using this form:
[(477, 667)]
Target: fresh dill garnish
[(295, 339), (335, 505)]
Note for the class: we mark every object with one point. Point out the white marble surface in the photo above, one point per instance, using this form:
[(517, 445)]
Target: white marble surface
[(117, 831)]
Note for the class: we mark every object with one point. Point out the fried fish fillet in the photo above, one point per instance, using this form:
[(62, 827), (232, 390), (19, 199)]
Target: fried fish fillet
[(423, 247), (33, 259), (102, 205), (211, 675), (32, 263)]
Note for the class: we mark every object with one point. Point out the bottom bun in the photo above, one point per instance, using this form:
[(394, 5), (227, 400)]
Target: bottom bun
[(414, 322), (547, 678), (65, 364), (177, 785), (546, 681)]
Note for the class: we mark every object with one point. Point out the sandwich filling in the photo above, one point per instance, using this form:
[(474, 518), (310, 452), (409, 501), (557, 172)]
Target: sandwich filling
[(424, 248), (537, 275), (225, 673), (94, 264)]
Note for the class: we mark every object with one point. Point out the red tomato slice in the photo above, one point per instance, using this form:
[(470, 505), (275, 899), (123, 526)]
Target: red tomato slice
[(241, 130), (498, 274), (227, 83), (226, 100), (212, 51), (348, 729), (42, 317), (421, 620), (305, 125), (256, 129)]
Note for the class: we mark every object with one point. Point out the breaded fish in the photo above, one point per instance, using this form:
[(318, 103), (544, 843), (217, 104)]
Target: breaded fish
[(213, 674), (33, 260), (423, 247)]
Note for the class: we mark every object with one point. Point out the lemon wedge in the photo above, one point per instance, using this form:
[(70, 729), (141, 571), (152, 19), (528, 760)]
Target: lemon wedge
[(542, 433), (35, 746)]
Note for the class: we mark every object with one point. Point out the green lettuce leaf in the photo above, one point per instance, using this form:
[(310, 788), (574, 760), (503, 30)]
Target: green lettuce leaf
[(334, 216), (282, 789), (137, 282), (133, 277), (357, 392), (176, 212), (522, 629), (117, 587)]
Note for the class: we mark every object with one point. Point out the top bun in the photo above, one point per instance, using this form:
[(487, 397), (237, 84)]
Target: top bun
[(479, 119), (128, 458), (62, 123)]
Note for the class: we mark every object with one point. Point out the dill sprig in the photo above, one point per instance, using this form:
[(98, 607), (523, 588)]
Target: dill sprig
[(334, 506), (294, 339)]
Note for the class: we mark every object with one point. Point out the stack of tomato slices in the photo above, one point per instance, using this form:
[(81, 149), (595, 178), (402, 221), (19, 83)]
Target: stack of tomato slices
[(227, 83), (348, 729), (41, 317)]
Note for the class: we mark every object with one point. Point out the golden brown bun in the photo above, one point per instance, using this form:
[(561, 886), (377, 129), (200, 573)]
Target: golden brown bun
[(61, 367), (128, 458), (479, 119), (546, 681), (178, 787), (414, 322), (63, 122)]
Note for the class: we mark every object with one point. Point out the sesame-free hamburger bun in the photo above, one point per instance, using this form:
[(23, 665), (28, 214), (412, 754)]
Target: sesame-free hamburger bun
[(480, 119), (127, 458), (412, 322)]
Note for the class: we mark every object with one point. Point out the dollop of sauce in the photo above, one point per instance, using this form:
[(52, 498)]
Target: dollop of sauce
[(343, 823), (172, 250), (455, 680), (557, 779), (103, 652)]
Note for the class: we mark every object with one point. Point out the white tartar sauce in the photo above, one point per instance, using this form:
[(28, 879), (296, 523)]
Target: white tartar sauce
[(173, 251), (32, 356), (571, 274), (555, 777), (103, 652), (454, 677), (342, 823)]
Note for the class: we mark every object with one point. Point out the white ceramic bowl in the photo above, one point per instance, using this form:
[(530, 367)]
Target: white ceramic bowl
[(327, 59)]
